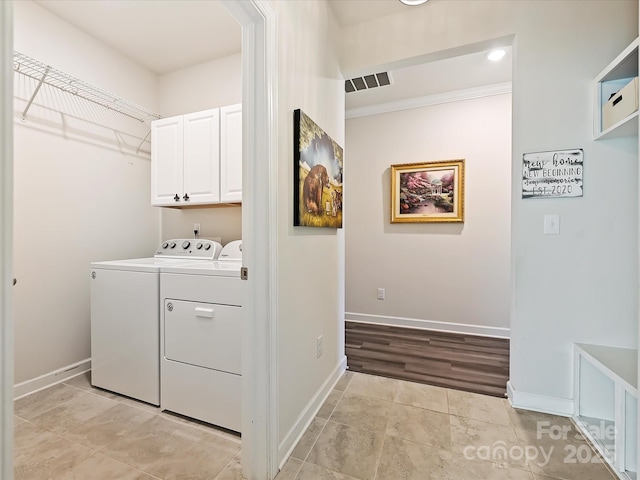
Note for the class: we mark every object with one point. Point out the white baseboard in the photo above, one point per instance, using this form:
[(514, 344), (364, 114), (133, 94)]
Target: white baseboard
[(540, 403), (49, 379), (462, 328), (307, 415)]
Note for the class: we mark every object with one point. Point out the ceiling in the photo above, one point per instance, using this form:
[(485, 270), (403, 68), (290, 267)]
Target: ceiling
[(162, 36), (351, 12), (169, 35)]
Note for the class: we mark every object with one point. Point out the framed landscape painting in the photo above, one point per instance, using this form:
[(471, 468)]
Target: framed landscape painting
[(317, 182), (427, 192)]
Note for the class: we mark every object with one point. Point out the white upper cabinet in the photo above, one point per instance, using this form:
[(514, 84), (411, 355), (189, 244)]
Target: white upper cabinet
[(166, 161), (231, 153), (202, 157), (196, 159)]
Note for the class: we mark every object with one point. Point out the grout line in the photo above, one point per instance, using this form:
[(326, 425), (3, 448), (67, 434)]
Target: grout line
[(227, 465)]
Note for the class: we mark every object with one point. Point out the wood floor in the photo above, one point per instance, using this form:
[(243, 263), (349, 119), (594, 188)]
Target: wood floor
[(463, 362)]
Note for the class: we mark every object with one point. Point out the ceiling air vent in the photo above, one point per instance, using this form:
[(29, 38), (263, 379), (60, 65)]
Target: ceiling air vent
[(367, 82)]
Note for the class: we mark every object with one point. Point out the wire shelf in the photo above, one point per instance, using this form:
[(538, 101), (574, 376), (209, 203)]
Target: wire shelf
[(47, 75), (73, 106)]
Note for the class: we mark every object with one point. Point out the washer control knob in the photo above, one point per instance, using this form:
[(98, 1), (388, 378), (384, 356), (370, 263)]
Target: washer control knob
[(207, 246), (186, 244), (165, 245), (172, 245), (199, 246)]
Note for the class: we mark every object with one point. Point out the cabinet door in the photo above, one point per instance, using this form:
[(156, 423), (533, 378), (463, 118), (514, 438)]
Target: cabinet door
[(166, 161), (231, 153), (202, 157)]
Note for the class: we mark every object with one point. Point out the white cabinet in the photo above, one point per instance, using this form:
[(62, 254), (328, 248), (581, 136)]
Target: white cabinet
[(606, 403), (618, 74), (196, 159), (185, 158), (166, 161), (231, 153)]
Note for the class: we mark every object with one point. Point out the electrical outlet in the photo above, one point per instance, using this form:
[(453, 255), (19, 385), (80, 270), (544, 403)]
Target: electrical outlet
[(196, 229), (319, 346), (381, 294)]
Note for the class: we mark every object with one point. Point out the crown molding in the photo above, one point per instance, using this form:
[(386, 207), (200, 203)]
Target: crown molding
[(429, 100)]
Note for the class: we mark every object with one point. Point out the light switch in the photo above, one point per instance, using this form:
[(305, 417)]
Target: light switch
[(552, 224)]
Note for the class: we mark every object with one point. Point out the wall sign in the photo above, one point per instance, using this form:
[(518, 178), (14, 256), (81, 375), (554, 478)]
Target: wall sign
[(554, 174)]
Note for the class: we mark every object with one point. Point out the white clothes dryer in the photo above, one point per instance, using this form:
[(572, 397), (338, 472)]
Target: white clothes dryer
[(201, 326)]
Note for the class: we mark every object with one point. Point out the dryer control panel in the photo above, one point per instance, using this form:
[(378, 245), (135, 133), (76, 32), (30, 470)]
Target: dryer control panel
[(189, 248)]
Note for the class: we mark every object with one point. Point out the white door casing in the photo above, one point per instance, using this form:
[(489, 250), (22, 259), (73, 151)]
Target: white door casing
[(259, 234), (6, 240)]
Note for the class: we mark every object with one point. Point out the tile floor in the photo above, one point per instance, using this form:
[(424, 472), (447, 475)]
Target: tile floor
[(370, 428), (73, 431)]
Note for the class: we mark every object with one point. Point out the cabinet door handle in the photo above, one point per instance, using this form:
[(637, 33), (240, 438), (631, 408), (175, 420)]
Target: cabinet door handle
[(186, 197), (176, 198), (205, 312)]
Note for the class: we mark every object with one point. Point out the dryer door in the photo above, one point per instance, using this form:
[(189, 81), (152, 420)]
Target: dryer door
[(203, 334)]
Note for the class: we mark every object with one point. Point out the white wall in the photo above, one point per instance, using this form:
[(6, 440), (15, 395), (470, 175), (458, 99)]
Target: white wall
[(457, 274), (310, 300), (580, 286), (208, 85), (75, 200)]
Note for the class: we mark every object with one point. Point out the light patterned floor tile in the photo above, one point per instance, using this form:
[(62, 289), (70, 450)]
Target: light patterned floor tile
[(76, 412), (476, 406), (406, 460), (489, 441), (309, 471), (348, 450), (83, 382), (44, 400), (39, 454), (465, 469), (233, 470), (107, 427), (100, 467), (421, 426), (422, 396), (344, 381), (330, 404), (202, 456), (373, 386), (290, 469), (363, 412), (148, 442), (309, 439)]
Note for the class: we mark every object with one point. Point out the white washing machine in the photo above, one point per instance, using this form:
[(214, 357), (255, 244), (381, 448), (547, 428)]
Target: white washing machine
[(201, 326), (125, 317)]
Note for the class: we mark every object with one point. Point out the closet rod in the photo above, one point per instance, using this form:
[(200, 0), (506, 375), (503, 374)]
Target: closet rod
[(47, 75)]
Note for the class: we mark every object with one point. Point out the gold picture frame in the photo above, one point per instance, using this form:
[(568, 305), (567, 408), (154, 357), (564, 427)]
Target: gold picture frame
[(429, 192)]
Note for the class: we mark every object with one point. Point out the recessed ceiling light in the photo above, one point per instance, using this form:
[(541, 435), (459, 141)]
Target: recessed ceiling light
[(413, 2), (496, 55)]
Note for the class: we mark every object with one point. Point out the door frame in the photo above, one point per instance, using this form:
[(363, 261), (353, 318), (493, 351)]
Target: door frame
[(259, 225), (259, 233), (6, 240)]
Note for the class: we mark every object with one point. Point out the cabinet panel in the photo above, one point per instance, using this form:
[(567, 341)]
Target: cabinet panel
[(231, 153), (166, 160), (202, 157)]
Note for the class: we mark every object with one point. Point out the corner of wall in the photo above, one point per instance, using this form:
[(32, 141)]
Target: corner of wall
[(539, 403), (307, 415)]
